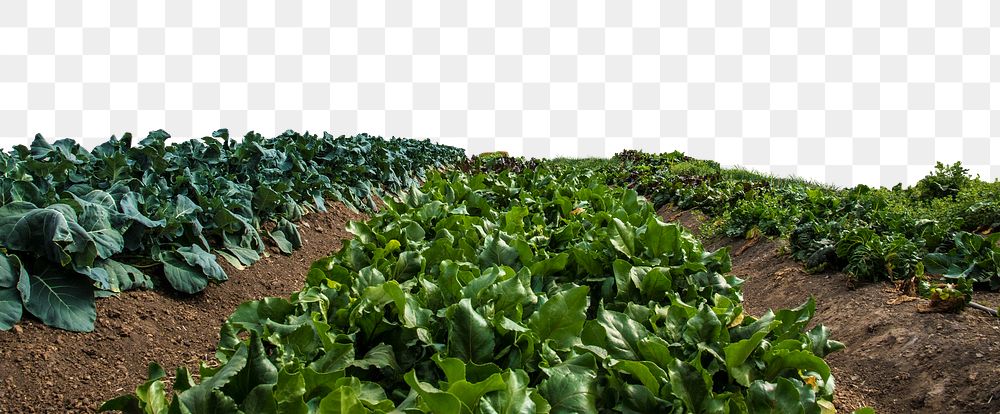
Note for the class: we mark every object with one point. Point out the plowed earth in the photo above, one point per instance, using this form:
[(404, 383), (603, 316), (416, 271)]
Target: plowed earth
[(899, 359), (50, 370)]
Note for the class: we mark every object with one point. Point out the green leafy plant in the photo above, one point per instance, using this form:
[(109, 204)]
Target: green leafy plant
[(872, 234), (76, 224), (972, 257), (565, 295), (945, 181)]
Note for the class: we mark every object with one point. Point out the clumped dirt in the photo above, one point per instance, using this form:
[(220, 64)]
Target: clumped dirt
[(898, 359), (49, 370)]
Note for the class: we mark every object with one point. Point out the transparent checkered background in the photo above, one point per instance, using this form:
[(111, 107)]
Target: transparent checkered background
[(841, 91)]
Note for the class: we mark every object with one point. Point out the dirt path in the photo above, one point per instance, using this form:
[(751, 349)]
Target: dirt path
[(897, 359), (49, 370)]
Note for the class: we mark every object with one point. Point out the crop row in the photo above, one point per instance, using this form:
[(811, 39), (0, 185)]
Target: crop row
[(934, 237), (77, 224), (543, 291)]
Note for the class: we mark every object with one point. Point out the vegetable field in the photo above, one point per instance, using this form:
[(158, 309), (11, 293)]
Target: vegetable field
[(496, 284), (935, 239), (511, 293), (75, 225)]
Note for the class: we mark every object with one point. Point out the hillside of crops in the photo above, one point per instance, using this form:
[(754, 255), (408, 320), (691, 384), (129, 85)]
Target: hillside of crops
[(490, 284), (540, 291), (76, 225), (935, 239)]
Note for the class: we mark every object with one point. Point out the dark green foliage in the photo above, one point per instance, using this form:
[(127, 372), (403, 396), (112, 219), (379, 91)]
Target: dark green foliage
[(871, 234), (946, 181), (970, 257), (83, 223), (496, 162)]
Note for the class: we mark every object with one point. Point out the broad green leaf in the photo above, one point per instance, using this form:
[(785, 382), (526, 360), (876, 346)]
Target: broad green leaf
[(561, 317), (622, 334), (254, 314), (793, 321), (380, 356), (362, 231), (438, 401), (779, 361), (622, 237), (514, 220), (10, 214), (514, 399), (244, 255), (130, 208), (497, 252), (205, 397), (10, 308), (687, 383), (571, 388), (11, 270), (781, 397), (343, 400), (182, 276), (195, 256), (231, 259), (258, 371), (47, 233), (286, 236), (655, 284), (737, 353), (290, 390), (550, 265), (820, 343), (943, 264), (470, 336), (623, 271), (107, 242), (260, 400), (60, 299), (649, 374), (703, 326), (124, 277), (660, 238), (470, 393)]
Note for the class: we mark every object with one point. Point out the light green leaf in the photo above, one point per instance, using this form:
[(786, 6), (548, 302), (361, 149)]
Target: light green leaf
[(470, 337), (435, 399), (622, 237), (497, 252), (561, 318), (514, 399)]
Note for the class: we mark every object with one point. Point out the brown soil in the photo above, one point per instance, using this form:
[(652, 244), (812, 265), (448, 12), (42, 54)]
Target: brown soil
[(898, 359), (50, 370)]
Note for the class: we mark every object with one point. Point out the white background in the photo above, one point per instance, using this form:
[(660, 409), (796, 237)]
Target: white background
[(840, 91)]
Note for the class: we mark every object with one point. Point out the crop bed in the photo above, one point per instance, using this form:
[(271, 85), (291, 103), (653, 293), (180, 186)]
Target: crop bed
[(76, 224), (72, 372), (483, 285), (936, 239), (898, 358), (533, 292)]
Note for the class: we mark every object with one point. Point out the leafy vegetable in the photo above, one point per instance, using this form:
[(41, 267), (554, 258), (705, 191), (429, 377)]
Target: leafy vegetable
[(560, 295), (870, 234), (83, 223)]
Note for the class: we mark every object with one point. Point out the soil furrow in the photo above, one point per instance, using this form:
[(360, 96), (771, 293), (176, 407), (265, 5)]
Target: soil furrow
[(898, 359), (49, 370)]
